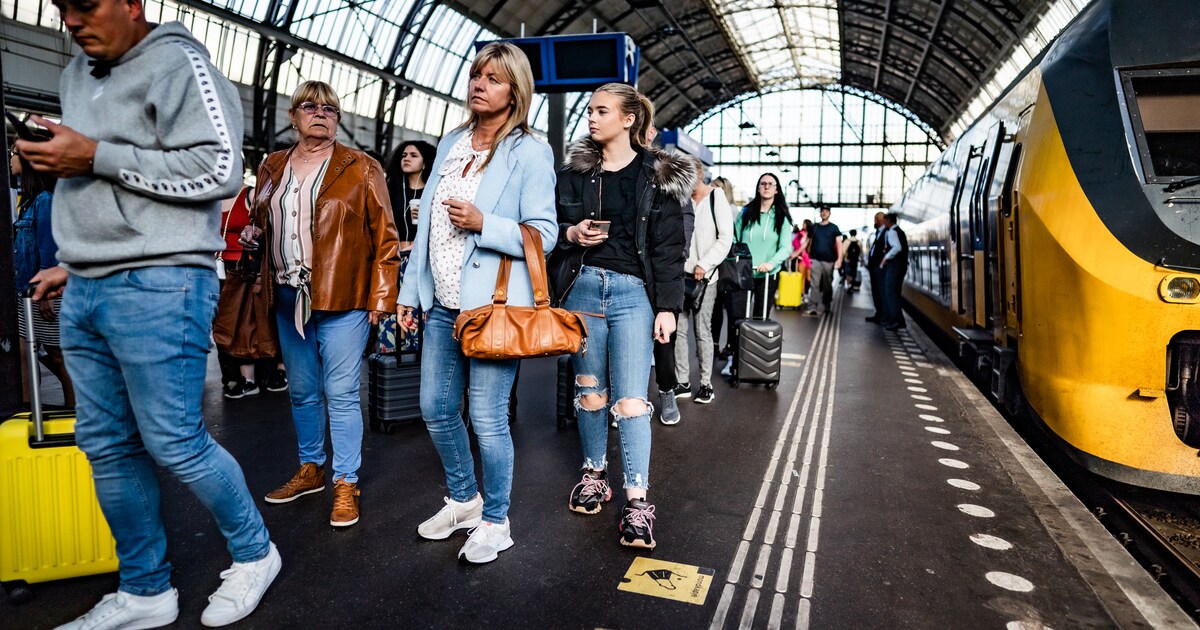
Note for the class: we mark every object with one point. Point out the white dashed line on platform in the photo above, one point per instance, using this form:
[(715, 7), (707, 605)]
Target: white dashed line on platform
[(970, 509), (991, 542)]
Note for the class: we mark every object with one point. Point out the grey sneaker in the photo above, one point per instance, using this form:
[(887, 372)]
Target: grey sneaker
[(486, 542), (669, 408), (453, 517), (125, 610)]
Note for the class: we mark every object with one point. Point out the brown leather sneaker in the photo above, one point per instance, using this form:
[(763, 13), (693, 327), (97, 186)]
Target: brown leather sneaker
[(310, 479), (345, 504)]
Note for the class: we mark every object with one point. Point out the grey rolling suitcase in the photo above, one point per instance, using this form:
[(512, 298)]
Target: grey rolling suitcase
[(760, 348)]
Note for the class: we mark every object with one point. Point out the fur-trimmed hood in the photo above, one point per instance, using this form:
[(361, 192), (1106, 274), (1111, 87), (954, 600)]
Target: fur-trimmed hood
[(675, 173)]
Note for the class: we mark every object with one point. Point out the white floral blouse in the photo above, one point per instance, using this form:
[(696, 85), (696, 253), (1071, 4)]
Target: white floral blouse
[(447, 243)]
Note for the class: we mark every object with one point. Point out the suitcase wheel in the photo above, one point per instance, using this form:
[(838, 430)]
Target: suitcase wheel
[(772, 386), (734, 383), (390, 428), (19, 593)]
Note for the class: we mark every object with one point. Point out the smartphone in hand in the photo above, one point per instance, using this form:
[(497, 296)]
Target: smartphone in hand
[(22, 129), (600, 225)]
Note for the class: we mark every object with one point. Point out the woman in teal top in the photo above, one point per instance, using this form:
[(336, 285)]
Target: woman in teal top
[(765, 226)]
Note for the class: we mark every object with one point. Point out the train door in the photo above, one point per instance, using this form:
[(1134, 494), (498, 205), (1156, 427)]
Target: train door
[(1010, 247), (960, 234), (981, 227), (961, 217)]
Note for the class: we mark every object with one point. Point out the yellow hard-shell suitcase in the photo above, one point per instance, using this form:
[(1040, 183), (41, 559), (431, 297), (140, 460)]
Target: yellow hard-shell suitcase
[(51, 526), (791, 289)]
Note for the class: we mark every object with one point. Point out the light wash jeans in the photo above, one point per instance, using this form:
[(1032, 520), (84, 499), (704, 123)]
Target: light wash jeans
[(701, 320), (443, 381), (324, 369), (135, 345), (620, 324)]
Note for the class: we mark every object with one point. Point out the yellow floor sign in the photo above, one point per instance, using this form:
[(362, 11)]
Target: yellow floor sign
[(669, 580)]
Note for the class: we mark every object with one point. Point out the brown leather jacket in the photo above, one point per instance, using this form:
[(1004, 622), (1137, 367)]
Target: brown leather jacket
[(356, 263)]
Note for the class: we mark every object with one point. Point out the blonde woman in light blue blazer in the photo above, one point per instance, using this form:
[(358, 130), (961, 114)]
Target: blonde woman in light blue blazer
[(490, 176)]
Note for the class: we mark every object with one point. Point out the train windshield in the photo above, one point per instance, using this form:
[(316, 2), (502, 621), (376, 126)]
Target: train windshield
[(1168, 112)]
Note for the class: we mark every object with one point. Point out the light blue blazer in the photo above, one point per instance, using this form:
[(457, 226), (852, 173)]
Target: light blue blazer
[(517, 187)]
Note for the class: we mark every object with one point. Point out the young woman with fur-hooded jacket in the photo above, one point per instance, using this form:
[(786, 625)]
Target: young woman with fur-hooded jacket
[(617, 262)]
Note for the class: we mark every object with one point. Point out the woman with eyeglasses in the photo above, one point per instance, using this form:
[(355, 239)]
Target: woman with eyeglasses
[(765, 225), (331, 253)]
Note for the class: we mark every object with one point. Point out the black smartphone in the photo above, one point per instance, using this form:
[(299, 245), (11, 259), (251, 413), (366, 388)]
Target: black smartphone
[(23, 130)]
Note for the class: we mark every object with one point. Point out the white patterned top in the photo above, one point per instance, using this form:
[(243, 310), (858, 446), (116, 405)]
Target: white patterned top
[(460, 175)]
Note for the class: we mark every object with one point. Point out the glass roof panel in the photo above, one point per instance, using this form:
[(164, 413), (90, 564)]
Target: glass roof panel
[(786, 44)]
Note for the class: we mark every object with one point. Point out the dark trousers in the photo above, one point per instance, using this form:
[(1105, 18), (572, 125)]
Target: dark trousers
[(877, 291), (893, 282), (664, 364), (764, 289), (725, 315)]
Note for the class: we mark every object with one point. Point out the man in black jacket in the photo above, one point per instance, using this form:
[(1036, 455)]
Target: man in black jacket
[(874, 257), (893, 267)]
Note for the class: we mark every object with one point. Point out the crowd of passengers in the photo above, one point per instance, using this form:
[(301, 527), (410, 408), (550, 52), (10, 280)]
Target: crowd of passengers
[(351, 254)]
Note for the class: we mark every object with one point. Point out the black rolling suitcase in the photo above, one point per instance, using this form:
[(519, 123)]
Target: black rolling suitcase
[(393, 389), (760, 348), (566, 391)]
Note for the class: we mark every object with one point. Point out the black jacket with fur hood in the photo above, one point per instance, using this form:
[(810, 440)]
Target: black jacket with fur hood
[(664, 190)]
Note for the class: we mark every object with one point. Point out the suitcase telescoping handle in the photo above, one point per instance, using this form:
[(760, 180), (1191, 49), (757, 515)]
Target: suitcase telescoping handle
[(750, 297), (35, 373)]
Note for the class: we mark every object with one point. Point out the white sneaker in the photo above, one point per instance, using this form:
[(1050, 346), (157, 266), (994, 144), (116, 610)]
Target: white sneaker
[(728, 369), (486, 542), (453, 517), (243, 587), (129, 612)]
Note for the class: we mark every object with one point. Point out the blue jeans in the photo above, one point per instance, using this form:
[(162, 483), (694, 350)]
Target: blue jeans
[(620, 324), (324, 369), (135, 345), (443, 380)]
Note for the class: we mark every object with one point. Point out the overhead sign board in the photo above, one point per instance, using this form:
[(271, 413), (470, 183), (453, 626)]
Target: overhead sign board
[(578, 63), (679, 139)]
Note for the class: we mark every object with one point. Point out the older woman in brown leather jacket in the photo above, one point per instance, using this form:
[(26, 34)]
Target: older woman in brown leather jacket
[(332, 258)]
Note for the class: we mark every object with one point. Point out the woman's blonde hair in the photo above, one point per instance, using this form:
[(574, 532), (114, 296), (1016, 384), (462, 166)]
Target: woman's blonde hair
[(318, 92), (632, 102), (511, 64), (723, 184)]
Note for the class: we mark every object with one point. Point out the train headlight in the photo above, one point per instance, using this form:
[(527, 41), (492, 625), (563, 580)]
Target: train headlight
[(1180, 289)]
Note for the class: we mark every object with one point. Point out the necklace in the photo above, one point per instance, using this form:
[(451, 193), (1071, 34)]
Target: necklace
[(317, 153), (474, 148)]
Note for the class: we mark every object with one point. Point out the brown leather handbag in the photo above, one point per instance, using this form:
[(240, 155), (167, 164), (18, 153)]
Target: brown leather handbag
[(500, 331), (244, 326)]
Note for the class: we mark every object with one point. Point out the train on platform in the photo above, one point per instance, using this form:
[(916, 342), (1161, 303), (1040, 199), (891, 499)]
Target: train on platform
[(1057, 239)]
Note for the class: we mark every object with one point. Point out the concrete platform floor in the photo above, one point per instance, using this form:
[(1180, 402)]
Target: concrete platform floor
[(875, 488)]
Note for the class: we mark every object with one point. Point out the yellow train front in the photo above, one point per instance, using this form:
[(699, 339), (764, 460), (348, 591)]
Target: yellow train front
[(1059, 240)]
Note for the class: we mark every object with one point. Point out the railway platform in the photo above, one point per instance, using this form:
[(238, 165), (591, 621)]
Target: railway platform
[(875, 488)]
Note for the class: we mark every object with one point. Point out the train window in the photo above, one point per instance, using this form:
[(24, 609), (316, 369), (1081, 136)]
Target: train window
[(1164, 108)]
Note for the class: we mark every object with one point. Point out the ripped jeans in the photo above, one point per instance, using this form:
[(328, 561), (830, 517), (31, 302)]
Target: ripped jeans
[(620, 324)]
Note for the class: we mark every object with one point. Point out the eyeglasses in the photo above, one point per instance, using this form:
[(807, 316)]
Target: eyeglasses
[(766, 184), (310, 108)]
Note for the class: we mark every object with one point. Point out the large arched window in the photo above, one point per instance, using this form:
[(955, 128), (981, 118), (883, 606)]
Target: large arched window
[(830, 145)]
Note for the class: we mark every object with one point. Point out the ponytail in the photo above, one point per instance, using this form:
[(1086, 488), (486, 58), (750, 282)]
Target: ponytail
[(643, 122)]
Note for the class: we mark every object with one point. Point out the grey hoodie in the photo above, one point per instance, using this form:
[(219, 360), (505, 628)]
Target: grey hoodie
[(169, 128)]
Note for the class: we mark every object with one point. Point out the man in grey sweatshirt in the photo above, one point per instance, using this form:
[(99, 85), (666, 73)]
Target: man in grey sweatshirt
[(150, 142)]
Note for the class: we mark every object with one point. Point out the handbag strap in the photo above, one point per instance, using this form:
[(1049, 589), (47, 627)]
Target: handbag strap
[(535, 262)]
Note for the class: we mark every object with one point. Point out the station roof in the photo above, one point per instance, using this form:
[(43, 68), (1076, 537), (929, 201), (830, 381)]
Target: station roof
[(929, 56)]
